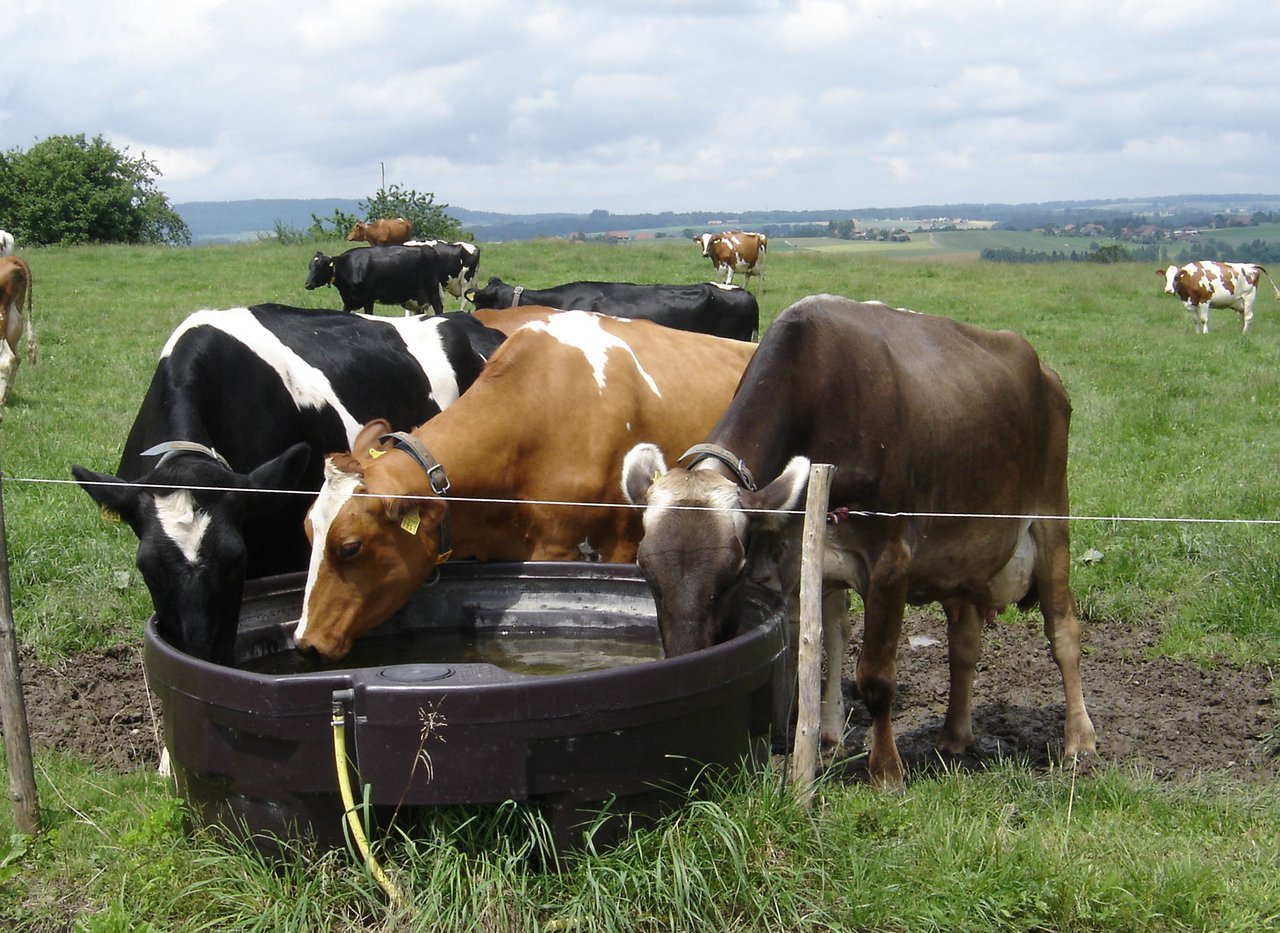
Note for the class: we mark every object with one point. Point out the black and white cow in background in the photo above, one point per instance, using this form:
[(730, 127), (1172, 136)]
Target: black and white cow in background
[(458, 264), (253, 399), (706, 308), (409, 276)]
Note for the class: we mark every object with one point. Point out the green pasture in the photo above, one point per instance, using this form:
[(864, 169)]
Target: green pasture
[(1175, 489)]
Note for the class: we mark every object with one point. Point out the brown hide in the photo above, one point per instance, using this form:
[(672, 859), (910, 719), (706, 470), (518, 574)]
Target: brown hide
[(536, 427), (15, 296), (382, 232), (508, 320)]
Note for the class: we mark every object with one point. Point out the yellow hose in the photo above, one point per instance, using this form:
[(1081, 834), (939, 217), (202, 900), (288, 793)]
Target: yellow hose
[(348, 801)]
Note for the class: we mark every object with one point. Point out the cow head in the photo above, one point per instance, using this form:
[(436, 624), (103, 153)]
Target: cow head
[(698, 533), (496, 294), (319, 271), (705, 242), (188, 513), (358, 232), (375, 539), (1170, 276)]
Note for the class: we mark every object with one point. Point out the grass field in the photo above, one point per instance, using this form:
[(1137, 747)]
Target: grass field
[(1174, 481)]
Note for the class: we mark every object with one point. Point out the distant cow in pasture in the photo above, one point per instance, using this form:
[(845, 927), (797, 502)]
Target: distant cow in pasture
[(1206, 284), (381, 232), (409, 276), (250, 400), (511, 470), (15, 294), (458, 264), (717, 310), (950, 450), (6, 243), (735, 251)]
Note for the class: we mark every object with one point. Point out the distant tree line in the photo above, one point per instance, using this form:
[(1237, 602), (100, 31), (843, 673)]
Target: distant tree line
[(1258, 251)]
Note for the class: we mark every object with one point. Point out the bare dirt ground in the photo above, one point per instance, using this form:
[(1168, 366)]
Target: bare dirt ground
[(1172, 718)]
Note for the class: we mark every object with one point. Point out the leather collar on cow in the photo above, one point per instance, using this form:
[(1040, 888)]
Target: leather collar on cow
[(435, 476), (169, 449), (699, 452)]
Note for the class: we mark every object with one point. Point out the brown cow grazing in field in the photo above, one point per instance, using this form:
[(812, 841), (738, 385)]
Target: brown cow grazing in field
[(548, 422), (381, 232), (15, 294), (1204, 285), (950, 448), (735, 251)]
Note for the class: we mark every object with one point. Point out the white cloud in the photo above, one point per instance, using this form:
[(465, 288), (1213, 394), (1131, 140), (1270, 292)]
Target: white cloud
[(660, 105)]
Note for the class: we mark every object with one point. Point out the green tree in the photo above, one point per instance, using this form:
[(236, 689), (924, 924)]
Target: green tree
[(69, 190), (430, 222)]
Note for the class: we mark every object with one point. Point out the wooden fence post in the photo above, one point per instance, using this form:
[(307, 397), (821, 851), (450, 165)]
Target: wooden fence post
[(809, 649), (17, 737)]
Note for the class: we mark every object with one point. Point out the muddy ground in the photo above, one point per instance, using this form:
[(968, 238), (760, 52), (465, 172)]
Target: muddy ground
[(1171, 717)]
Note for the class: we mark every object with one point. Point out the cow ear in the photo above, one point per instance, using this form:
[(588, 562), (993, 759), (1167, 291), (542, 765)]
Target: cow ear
[(117, 497), (784, 494), (281, 472), (369, 437), (642, 465), (412, 515)]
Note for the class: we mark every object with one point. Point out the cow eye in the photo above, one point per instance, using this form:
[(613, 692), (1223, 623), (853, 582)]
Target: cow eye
[(349, 549)]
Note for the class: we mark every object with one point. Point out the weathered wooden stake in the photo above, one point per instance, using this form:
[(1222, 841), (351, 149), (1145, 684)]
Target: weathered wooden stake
[(809, 649), (17, 737)]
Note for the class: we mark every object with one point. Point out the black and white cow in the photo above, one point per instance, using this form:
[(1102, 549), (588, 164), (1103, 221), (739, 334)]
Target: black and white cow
[(706, 308), (409, 276), (252, 399), (458, 264)]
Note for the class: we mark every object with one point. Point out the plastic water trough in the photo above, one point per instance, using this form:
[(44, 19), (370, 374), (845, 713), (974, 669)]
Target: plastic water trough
[(433, 720)]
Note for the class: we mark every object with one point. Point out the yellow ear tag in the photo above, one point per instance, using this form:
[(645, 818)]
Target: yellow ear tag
[(411, 521), (110, 515), (375, 453), (657, 475)]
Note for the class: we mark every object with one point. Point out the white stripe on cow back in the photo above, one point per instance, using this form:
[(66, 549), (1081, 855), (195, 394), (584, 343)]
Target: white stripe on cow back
[(582, 330), (337, 490), (183, 523), (306, 385), (421, 336)]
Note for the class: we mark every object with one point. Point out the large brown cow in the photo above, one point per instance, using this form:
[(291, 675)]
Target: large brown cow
[(735, 251), (548, 422), (381, 232), (15, 294), (952, 437)]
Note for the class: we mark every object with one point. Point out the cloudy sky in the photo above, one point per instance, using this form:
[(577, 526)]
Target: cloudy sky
[(524, 105)]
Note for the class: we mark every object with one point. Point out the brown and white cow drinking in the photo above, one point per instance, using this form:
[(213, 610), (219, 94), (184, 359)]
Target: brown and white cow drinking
[(517, 469), (952, 438)]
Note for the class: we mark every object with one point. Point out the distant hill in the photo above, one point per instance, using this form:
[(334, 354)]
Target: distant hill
[(227, 221)]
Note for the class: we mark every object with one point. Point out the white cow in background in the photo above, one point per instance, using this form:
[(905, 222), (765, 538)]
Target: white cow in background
[(1206, 284), (6, 243)]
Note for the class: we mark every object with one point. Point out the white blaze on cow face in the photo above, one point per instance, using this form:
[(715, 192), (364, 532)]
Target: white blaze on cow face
[(183, 523), (583, 331), (338, 489)]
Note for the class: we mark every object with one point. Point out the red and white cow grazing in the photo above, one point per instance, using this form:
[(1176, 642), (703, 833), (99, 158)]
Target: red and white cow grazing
[(15, 294), (954, 437), (381, 232), (548, 422), (735, 251), (1206, 284)]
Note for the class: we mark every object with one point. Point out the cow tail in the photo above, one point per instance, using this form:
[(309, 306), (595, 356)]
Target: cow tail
[(33, 347), (1271, 280)]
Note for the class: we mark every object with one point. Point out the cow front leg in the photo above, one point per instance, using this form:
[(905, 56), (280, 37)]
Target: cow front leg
[(836, 630), (964, 644), (877, 663)]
